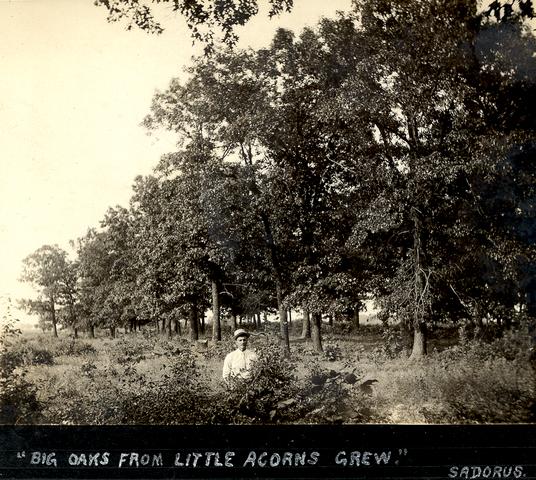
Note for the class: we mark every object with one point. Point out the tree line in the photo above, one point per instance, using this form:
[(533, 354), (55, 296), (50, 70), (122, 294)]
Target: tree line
[(388, 153)]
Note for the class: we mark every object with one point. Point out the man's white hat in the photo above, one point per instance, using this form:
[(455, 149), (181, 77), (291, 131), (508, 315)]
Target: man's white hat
[(240, 333)]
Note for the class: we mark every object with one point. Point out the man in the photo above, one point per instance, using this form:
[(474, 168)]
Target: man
[(237, 364)]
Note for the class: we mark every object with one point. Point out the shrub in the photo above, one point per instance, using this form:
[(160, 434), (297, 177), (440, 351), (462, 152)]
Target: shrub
[(331, 396), (332, 352), (115, 391), (489, 382), (18, 398), (218, 350), (23, 354), (88, 399), (269, 395), (180, 396), (74, 348), (130, 349), (324, 395), (470, 383)]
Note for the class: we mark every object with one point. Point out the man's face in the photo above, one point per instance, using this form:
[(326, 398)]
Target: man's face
[(241, 342)]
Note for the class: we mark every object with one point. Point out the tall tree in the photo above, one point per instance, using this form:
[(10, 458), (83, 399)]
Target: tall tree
[(205, 19), (69, 315), (47, 269), (222, 104), (257, 107), (107, 272), (422, 98), (193, 227)]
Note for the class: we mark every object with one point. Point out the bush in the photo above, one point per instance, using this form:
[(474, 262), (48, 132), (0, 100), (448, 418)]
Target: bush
[(268, 396), (180, 396), (129, 350), (332, 352), (18, 397), (489, 382), (22, 354), (74, 348), (151, 380), (474, 382), (85, 400), (218, 350), (324, 395)]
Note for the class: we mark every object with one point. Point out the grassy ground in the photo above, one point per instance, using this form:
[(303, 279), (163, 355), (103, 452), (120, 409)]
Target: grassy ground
[(362, 376)]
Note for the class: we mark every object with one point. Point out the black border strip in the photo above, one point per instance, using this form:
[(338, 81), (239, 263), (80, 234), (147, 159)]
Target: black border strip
[(298, 451)]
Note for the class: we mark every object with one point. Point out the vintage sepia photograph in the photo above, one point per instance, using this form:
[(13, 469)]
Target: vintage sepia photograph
[(267, 212)]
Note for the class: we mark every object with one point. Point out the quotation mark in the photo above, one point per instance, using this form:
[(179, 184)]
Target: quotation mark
[(401, 452), (21, 454)]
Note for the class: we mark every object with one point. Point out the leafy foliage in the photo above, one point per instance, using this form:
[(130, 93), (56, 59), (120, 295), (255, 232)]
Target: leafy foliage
[(260, 398), (204, 19), (54, 275), (177, 397), (18, 397), (387, 152)]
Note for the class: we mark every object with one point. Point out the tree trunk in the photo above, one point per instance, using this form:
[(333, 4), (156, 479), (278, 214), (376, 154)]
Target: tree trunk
[(233, 321), (92, 331), (54, 320), (112, 332), (419, 295), (419, 349), (194, 323), (316, 333), (177, 326), (356, 318), (306, 324), (330, 320), (73, 318), (258, 317), (283, 323), (278, 277), (169, 328), (216, 324), (202, 322), (289, 317), (265, 317)]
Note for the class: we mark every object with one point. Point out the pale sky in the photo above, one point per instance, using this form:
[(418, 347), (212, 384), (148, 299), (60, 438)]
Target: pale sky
[(73, 91)]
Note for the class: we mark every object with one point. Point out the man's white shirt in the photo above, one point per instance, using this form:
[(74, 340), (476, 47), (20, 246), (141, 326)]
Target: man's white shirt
[(238, 363)]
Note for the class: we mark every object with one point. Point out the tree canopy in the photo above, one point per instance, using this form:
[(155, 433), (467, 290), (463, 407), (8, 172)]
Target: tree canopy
[(208, 21), (385, 153)]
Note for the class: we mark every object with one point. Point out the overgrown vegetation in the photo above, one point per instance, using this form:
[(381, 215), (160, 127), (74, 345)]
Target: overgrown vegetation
[(385, 153), (149, 379), (18, 399)]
